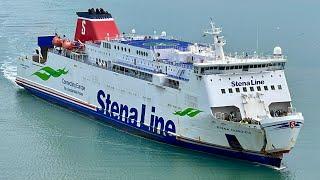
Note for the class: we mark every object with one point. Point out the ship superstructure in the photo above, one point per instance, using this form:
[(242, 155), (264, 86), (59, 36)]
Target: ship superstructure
[(186, 94)]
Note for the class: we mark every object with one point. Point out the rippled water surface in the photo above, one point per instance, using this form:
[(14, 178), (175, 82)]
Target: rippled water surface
[(39, 140)]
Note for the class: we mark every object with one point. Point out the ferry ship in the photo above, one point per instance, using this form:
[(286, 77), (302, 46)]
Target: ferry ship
[(185, 94)]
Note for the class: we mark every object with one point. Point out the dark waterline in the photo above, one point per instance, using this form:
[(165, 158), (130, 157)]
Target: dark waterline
[(43, 141)]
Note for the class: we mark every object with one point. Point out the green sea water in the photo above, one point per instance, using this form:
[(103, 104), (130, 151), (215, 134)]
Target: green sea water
[(39, 140)]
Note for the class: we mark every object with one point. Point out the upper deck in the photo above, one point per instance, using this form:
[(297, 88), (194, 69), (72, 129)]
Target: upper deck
[(158, 43)]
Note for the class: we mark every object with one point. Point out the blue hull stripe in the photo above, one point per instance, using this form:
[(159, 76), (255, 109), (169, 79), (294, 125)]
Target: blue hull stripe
[(178, 141)]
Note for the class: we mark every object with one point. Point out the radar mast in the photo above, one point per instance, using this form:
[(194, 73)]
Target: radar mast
[(218, 40)]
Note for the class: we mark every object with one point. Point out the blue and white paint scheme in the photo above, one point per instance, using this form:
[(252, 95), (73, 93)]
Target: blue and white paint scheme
[(185, 94)]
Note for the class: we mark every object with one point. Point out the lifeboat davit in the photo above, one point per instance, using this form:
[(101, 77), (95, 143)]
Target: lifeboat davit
[(68, 45), (57, 41)]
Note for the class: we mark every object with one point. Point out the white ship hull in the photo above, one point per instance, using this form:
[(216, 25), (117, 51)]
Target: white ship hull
[(150, 110)]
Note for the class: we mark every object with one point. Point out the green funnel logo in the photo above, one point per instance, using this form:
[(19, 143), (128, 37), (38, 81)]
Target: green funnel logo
[(191, 112), (46, 72)]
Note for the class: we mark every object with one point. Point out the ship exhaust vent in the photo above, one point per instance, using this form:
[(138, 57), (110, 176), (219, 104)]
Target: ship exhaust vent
[(95, 25)]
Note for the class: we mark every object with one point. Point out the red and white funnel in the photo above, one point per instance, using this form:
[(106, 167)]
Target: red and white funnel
[(95, 26)]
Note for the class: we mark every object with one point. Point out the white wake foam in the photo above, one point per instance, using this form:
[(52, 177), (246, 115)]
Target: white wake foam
[(9, 71)]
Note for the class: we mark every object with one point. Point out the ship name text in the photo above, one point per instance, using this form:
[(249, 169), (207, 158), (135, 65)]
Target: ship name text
[(246, 83), (134, 117)]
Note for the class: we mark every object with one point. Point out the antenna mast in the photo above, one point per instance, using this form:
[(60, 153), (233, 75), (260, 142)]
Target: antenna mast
[(218, 41)]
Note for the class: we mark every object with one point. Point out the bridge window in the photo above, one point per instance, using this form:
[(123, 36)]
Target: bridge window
[(221, 68), (237, 90), (230, 90), (266, 88), (272, 87), (279, 87), (251, 89), (223, 91)]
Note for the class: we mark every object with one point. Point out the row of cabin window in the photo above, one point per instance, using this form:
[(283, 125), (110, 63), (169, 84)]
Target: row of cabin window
[(245, 67), (251, 88), (141, 53), (106, 45), (122, 48)]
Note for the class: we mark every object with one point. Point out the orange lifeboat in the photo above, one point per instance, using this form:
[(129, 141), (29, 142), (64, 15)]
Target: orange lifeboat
[(67, 45), (57, 41)]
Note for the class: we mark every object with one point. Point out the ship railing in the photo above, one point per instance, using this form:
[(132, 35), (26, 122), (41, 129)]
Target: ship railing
[(118, 68), (229, 117), (137, 67), (219, 116), (78, 56), (179, 48), (283, 113), (292, 110), (226, 117), (177, 64), (256, 56)]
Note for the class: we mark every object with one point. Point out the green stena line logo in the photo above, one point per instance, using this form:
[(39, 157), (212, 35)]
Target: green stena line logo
[(46, 72), (191, 112)]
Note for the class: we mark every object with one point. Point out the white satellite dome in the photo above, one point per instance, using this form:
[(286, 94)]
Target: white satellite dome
[(133, 31), (163, 34), (277, 51)]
